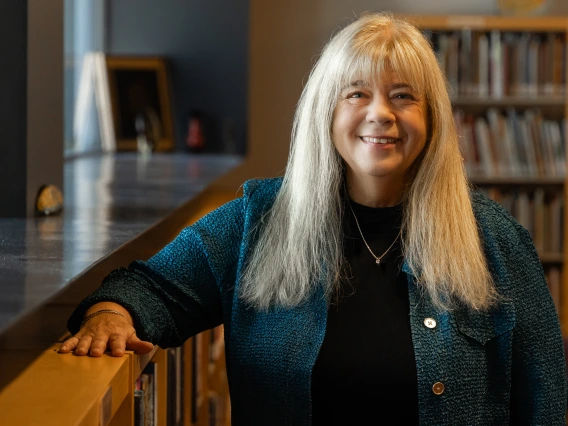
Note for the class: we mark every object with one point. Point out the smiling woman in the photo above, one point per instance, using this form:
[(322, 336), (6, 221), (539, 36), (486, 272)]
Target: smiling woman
[(370, 276)]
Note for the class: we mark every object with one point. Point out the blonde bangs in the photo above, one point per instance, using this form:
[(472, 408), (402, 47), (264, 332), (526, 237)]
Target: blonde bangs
[(376, 53)]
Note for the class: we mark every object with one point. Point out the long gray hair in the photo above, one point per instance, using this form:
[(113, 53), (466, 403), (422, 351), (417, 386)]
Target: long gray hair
[(300, 244)]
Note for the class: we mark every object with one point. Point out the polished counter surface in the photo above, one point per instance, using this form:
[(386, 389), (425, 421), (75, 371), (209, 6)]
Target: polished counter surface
[(108, 200)]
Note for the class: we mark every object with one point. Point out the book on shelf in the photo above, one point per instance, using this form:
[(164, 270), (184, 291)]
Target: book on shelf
[(139, 410), (214, 407), (509, 72), (175, 392), (556, 214), (195, 391), (523, 207), (496, 64), (483, 66), (558, 65), (532, 71), (539, 211), (200, 370), (148, 384), (145, 389), (554, 280), (467, 143), (527, 145), (500, 139), (538, 217), (217, 343), (465, 54), (555, 131), (487, 156)]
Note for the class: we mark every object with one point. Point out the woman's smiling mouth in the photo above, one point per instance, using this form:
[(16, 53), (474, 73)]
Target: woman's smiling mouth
[(379, 140)]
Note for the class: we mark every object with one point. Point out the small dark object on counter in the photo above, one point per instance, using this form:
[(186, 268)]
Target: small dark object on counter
[(49, 201)]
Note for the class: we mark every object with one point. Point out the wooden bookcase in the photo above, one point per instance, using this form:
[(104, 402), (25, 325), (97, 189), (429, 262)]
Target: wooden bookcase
[(507, 77), (64, 389), (190, 382), (59, 389)]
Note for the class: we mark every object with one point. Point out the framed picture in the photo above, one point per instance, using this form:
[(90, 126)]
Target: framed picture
[(140, 102)]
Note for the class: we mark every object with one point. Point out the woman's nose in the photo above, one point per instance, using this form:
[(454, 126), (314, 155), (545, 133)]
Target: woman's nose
[(379, 111)]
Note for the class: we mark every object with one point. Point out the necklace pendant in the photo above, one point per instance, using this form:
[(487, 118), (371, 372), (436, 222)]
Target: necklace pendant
[(378, 261)]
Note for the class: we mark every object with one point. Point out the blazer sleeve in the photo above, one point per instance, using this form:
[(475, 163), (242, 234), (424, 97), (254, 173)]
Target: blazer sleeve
[(179, 292), (538, 376)]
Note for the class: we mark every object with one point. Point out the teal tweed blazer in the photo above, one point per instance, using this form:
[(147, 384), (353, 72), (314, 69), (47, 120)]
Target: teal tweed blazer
[(501, 367)]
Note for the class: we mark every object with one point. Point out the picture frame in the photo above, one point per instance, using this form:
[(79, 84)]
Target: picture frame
[(139, 87)]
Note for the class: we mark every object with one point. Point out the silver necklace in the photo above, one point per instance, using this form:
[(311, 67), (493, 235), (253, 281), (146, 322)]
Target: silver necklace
[(377, 258)]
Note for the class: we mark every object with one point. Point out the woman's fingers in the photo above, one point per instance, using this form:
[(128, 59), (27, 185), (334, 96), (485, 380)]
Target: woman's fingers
[(139, 346), (99, 344), (84, 345), (102, 332), (95, 338), (117, 344), (68, 345)]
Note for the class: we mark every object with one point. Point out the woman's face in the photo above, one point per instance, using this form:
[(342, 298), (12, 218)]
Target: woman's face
[(379, 129)]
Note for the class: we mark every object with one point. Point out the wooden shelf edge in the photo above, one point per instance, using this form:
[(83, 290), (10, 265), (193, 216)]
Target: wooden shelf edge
[(488, 22), (558, 101), (549, 258), (517, 181), (140, 361)]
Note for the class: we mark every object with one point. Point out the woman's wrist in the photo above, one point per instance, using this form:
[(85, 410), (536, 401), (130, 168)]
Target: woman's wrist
[(100, 312), (111, 308)]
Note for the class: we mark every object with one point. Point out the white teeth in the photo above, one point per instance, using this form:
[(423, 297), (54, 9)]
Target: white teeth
[(379, 140)]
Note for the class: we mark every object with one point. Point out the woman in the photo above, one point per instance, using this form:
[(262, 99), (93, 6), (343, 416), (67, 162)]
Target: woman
[(370, 277)]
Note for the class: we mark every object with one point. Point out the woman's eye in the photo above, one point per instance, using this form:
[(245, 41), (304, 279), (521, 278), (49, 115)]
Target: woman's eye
[(404, 96), (357, 94)]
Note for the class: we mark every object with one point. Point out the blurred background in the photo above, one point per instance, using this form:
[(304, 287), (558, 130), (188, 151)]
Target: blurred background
[(241, 63)]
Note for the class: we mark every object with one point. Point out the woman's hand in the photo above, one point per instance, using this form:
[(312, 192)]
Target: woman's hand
[(106, 330)]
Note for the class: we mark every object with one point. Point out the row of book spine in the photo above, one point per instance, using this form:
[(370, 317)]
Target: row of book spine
[(176, 386), (512, 143), (500, 63), (145, 391), (218, 401), (208, 356), (145, 398), (540, 212)]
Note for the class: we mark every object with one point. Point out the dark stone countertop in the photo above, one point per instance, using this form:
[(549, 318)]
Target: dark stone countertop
[(108, 200)]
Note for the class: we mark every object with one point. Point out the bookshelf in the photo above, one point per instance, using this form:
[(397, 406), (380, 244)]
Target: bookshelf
[(72, 390), (189, 383), (196, 392), (507, 78), (81, 391)]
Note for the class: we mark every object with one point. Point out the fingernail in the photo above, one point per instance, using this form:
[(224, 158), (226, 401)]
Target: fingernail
[(63, 347)]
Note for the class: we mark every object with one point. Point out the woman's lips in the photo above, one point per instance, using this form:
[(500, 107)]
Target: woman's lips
[(379, 140)]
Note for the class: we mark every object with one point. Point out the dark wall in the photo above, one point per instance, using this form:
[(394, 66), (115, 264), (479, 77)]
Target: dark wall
[(207, 43), (31, 106), (13, 108)]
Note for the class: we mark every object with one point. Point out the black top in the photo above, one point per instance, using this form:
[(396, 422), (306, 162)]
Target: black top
[(365, 371)]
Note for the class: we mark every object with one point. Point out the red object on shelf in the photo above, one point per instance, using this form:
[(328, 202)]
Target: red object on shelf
[(195, 140)]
